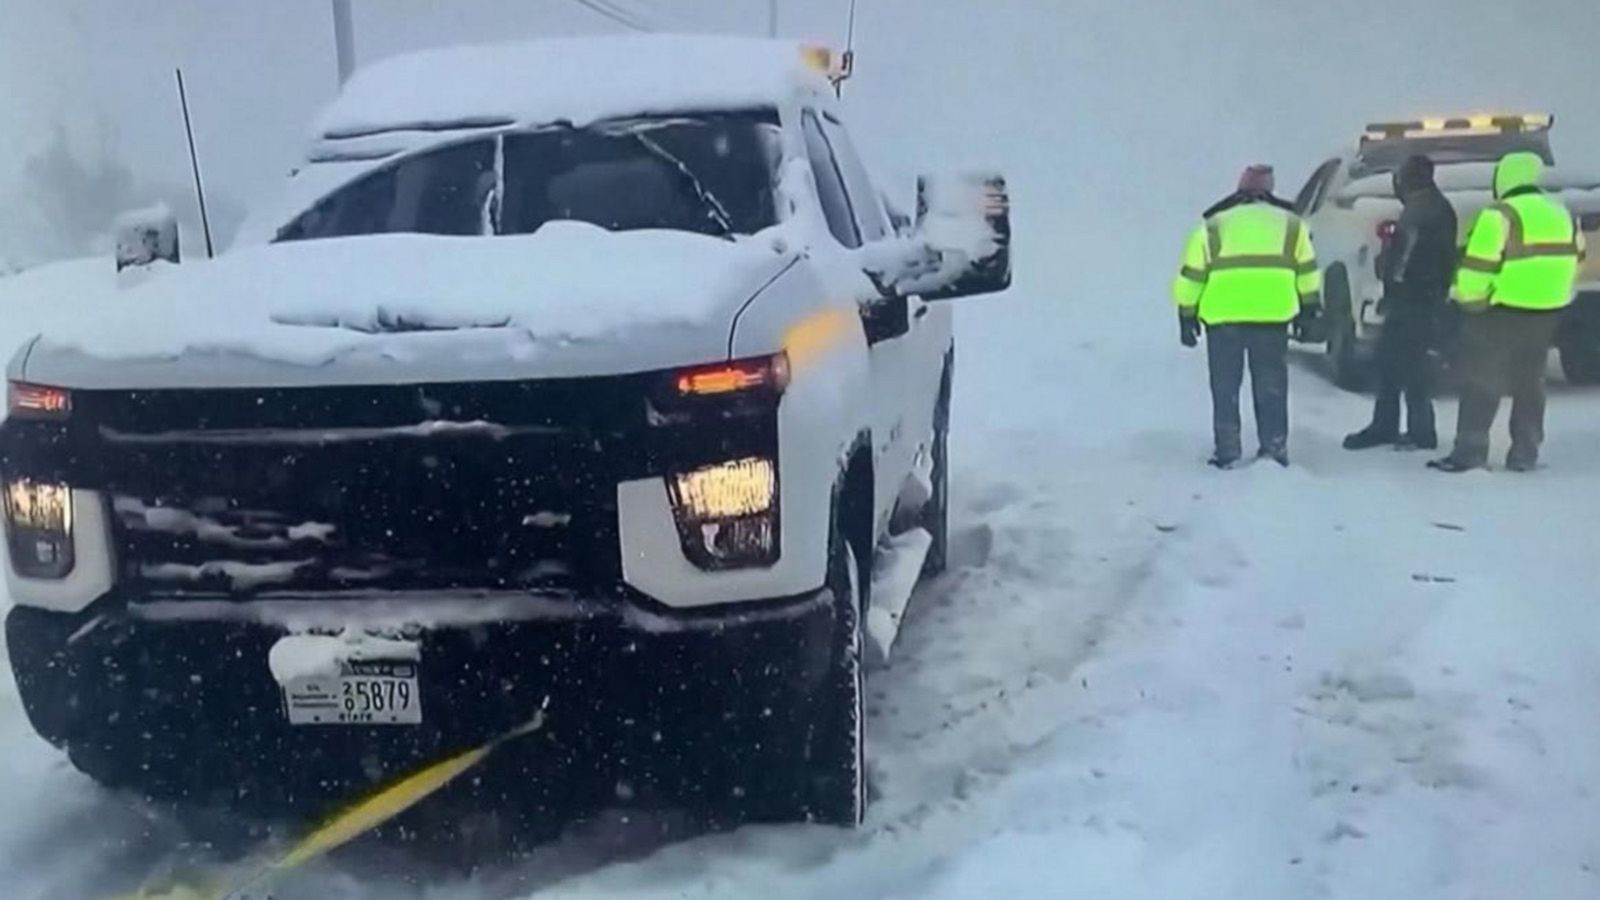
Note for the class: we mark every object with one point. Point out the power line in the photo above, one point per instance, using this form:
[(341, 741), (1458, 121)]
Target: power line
[(660, 13), (621, 17)]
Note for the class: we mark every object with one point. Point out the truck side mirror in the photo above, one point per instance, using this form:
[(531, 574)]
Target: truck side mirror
[(966, 220), (146, 235)]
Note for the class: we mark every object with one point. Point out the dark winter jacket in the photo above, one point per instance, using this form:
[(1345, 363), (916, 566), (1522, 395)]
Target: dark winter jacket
[(1420, 262), (1240, 197)]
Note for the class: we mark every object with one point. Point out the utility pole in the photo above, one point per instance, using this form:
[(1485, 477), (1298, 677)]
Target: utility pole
[(772, 19), (344, 39)]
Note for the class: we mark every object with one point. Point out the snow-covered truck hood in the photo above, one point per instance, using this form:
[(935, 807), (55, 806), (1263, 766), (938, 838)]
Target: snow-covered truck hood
[(1478, 178), (572, 300)]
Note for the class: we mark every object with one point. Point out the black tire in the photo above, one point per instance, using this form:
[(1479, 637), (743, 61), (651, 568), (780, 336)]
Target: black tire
[(1580, 361), (1344, 359), (935, 516), (836, 770)]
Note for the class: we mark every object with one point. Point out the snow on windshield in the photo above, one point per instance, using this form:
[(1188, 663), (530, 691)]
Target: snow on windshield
[(711, 174)]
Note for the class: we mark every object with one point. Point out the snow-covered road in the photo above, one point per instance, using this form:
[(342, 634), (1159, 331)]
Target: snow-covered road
[(1353, 678)]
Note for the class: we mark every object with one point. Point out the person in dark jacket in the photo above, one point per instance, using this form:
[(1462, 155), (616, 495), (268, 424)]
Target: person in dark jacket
[(1417, 270)]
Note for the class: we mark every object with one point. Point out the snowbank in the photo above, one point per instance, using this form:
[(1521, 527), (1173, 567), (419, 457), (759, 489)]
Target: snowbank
[(308, 303), (575, 80)]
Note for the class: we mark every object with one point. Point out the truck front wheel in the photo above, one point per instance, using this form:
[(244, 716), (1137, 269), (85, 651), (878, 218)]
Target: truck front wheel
[(1344, 357), (836, 777)]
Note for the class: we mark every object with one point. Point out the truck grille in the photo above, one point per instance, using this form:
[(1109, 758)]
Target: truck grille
[(446, 513), (485, 486), (489, 486)]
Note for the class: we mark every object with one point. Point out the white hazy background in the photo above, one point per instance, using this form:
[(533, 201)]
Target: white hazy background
[(1115, 120)]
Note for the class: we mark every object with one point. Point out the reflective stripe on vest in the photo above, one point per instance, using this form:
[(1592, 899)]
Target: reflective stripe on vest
[(1517, 246), (1285, 260)]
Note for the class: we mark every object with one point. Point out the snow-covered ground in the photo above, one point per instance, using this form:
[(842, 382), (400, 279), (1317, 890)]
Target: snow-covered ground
[(1353, 678), (1143, 678)]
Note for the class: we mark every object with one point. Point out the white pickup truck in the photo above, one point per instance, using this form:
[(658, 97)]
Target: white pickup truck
[(622, 398), (1350, 203)]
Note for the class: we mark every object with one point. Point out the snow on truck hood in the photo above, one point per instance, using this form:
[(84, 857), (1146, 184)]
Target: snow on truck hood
[(571, 300)]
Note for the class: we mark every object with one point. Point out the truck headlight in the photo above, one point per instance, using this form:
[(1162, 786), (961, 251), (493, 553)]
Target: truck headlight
[(727, 514), (39, 528)]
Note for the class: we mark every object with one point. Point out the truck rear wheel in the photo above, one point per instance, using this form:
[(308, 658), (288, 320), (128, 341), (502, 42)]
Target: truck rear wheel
[(1580, 361)]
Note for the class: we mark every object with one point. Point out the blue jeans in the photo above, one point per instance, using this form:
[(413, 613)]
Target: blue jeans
[(1266, 349)]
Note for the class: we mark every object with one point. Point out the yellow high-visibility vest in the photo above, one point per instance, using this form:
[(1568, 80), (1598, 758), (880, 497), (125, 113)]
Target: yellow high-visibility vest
[(1253, 263), (1525, 251)]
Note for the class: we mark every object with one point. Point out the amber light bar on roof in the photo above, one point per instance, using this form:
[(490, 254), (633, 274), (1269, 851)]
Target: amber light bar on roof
[(1459, 125)]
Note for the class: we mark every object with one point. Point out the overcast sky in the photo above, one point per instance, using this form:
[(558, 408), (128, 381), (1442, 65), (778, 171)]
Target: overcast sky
[(1120, 109)]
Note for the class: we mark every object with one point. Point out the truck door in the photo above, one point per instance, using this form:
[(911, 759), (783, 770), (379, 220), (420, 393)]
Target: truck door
[(852, 220), (930, 325)]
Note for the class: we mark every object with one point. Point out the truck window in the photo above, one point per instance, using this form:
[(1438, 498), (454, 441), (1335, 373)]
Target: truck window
[(710, 174), (441, 191), (869, 211), (830, 184), (1310, 196)]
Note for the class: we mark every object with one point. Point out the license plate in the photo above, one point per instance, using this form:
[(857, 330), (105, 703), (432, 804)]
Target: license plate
[(365, 692)]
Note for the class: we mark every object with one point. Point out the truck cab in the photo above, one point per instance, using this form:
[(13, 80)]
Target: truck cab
[(617, 403)]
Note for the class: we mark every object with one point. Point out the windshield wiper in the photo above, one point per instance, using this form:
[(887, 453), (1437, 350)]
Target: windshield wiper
[(708, 200)]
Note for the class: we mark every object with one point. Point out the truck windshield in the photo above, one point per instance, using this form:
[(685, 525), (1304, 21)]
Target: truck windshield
[(711, 174)]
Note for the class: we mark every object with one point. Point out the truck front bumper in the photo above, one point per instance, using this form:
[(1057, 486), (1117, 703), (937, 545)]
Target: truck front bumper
[(638, 703)]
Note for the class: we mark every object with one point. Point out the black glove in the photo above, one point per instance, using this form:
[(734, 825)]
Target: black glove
[(1307, 326), (1189, 330)]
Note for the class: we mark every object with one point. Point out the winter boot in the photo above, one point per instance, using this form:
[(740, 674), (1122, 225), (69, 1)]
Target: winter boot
[(1279, 455), (1367, 438), (1452, 465), (1521, 462)]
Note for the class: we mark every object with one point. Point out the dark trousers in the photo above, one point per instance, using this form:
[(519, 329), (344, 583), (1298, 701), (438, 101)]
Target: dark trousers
[(1404, 371), (1266, 348), (1503, 351)]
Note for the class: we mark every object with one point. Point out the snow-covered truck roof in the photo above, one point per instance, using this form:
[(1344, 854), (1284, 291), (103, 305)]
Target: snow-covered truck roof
[(576, 80)]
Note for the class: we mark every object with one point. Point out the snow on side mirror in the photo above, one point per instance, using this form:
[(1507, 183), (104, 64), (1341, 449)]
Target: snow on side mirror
[(145, 236), (965, 219)]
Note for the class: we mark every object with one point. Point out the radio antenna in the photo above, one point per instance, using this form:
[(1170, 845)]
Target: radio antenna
[(848, 64), (194, 163)]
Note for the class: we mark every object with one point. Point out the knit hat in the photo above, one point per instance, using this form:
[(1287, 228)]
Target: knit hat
[(1257, 179)]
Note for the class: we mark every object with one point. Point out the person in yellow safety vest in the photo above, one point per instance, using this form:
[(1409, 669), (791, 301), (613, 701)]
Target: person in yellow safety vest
[(1518, 275), (1249, 274)]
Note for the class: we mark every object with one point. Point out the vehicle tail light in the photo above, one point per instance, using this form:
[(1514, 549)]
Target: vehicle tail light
[(727, 514), (36, 401), (1387, 229), (769, 373), (39, 528)]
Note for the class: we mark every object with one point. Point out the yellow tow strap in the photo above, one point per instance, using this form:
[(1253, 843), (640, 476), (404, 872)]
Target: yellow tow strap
[(342, 828)]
